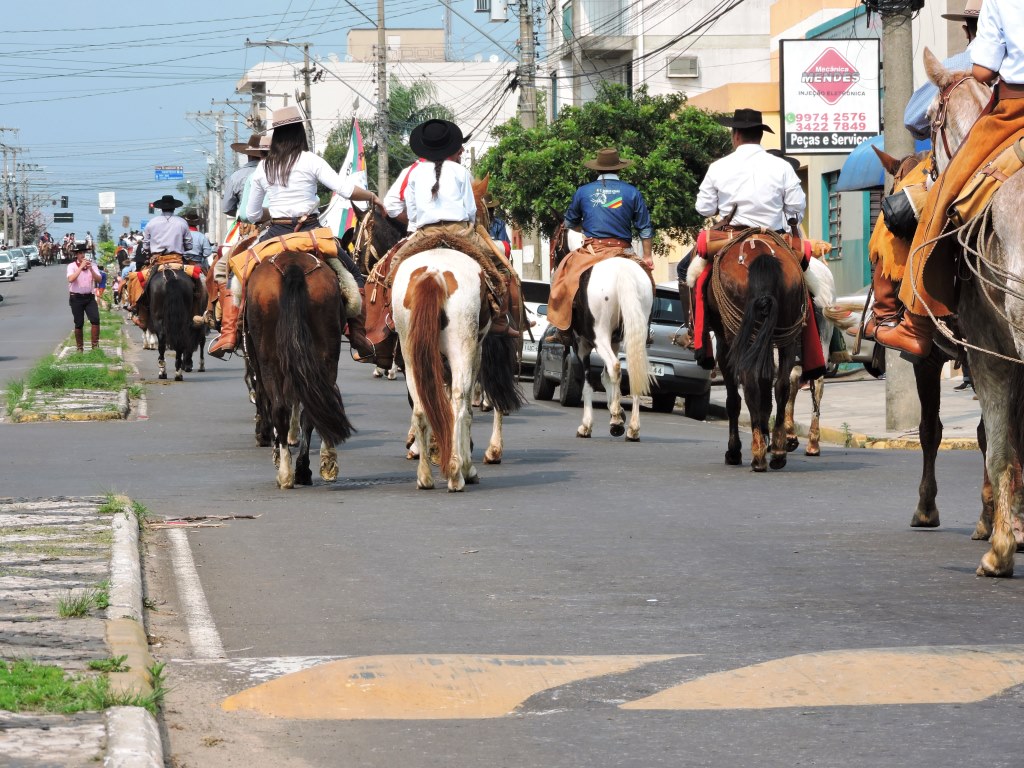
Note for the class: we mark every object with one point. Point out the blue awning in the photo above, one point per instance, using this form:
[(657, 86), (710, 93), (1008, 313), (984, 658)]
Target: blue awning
[(863, 170)]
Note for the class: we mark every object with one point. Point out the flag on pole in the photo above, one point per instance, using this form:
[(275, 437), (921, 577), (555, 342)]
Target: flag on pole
[(339, 215)]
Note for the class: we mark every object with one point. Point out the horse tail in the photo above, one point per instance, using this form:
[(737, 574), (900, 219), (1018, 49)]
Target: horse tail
[(177, 311), (1016, 398), (498, 368), (427, 295), (304, 372), (753, 349), (635, 321)]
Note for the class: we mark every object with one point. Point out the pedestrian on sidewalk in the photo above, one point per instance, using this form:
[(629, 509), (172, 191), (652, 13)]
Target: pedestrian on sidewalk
[(83, 275)]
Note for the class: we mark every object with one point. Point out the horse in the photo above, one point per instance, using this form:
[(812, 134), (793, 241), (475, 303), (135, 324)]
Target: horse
[(756, 305), (990, 309), (199, 332), (612, 306), (824, 297), (292, 335), (443, 319), (170, 295)]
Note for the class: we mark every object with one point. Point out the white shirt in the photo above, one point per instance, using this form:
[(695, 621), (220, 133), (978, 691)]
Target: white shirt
[(999, 45), (394, 200), (764, 188), (298, 196), (454, 201)]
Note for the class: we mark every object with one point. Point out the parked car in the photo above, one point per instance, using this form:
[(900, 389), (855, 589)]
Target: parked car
[(32, 252), (675, 372), (7, 269), (18, 257), (535, 297)]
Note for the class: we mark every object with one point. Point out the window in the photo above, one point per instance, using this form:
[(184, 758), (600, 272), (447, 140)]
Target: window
[(683, 66), (567, 21), (834, 218)]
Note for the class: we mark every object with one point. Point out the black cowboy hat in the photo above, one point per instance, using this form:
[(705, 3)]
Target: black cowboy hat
[(607, 160), (167, 203), (436, 139), (743, 119), (791, 160)]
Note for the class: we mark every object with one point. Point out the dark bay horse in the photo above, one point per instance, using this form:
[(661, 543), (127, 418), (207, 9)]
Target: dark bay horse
[(756, 304), (292, 336), (170, 295)]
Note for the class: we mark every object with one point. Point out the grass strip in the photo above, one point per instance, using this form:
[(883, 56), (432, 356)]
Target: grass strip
[(26, 686), (47, 375)]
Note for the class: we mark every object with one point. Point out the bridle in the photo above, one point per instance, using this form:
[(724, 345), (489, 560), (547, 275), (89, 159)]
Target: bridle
[(939, 122)]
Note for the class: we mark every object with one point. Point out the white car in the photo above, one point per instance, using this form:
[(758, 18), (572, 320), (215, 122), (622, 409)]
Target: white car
[(19, 258), (535, 298), (7, 269)]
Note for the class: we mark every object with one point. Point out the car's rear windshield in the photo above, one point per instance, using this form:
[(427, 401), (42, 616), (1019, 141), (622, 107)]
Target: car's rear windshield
[(667, 309), (536, 292)]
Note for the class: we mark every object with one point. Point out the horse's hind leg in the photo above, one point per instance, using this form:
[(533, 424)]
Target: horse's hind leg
[(984, 527), (782, 387), (328, 461), (462, 366), (285, 472), (586, 427), (303, 474), (927, 377), (179, 362), (792, 441), (733, 403), (814, 432), (496, 446), (294, 426)]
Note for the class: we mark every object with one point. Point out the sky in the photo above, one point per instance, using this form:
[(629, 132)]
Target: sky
[(99, 90)]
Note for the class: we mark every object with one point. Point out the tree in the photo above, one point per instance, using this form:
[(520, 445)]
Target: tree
[(408, 106), (534, 173), (105, 232)]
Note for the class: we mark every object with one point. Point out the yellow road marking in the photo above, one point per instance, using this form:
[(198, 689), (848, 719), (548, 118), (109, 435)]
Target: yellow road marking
[(422, 687), (927, 675)]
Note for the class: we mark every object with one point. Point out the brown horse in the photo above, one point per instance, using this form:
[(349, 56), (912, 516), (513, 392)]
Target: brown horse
[(756, 304), (292, 336)]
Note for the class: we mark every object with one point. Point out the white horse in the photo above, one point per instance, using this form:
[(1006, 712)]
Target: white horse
[(824, 292), (437, 300)]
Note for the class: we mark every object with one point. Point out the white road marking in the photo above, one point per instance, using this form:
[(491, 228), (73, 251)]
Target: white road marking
[(202, 632)]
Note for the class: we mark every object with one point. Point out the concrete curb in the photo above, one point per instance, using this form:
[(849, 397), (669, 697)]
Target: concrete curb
[(849, 439), (133, 736)]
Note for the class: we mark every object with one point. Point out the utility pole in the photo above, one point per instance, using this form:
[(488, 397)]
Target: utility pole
[(14, 196), (307, 78), (215, 176), (382, 102), (526, 74), (6, 182), (902, 407)]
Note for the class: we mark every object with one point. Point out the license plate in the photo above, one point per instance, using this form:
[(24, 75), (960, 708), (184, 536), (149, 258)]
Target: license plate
[(529, 346), (655, 370)]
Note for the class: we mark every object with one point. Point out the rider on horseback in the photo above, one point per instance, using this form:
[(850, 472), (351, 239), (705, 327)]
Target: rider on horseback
[(998, 50), (286, 181), (607, 210)]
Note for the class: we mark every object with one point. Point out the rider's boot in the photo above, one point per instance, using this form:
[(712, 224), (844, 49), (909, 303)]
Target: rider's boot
[(95, 336), (500, 324), (362, 350), (885, 310), (228, 325), (141, 316), (912, 336), (78, 340)]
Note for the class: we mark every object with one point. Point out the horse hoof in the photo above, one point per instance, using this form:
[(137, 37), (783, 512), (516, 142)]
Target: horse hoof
[(378, 374), (759, 467), (632, 438), (930, 519), (473, 480), (306, 478), (584, 435), (492, 459), (178, 377), (161, 376), (733, 459), (981, 531), (188, 368), (792, 443), (777, 462), (411, 456), (989, 567), (329, 471), (263, 442), (427, 485), (812, 452), (202, 367), (617, 430)]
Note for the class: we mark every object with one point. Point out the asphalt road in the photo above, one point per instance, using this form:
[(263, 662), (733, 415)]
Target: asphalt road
[(619, 595)]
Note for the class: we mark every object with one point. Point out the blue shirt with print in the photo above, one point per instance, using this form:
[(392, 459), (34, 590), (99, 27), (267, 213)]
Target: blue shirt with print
[(609, 207)]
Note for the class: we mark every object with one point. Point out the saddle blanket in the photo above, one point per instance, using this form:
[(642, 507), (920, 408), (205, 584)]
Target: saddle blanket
[(318, 241), (567, 280)]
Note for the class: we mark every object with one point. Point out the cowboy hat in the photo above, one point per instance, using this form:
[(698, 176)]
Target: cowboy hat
[(436, 139), (191, 215), (167, 203), (251, 147), (607, 160), (488, 200), (744, 119), (791, 160), (285, 116), (972, 10)]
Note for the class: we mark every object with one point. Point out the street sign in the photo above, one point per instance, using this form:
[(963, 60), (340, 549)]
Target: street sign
[(65, 218), (169, 173), (108, 202), (143, 223)]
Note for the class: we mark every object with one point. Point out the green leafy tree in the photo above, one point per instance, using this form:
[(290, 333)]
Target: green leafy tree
[(408, 106), (105, 232), (534, 173)]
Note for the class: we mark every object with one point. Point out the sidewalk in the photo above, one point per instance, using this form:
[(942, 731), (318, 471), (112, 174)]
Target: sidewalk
[(71, 598), (853, 414)]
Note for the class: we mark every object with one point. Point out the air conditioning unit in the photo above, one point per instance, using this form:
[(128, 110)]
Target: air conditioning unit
[(684, 66)]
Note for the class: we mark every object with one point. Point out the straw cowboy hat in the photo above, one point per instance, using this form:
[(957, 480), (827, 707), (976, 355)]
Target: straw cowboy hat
[(285, 116), (744, 119), (436, 139), (972, 10), (252, 147), (607, 160), (167, 203)]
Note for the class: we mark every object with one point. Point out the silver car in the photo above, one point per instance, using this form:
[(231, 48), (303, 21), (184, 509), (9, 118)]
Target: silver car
[(20, 259), (7, 269)]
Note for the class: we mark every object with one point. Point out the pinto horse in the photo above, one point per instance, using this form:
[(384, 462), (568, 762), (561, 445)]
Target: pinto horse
[(170, 294), (991, 310), (756, 305), (292, 334), (443, 318)]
